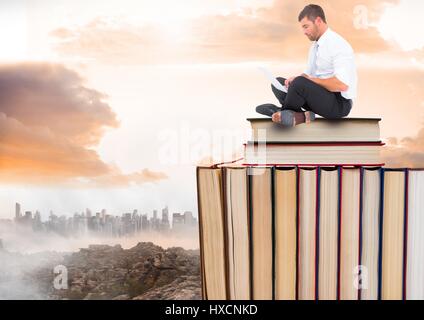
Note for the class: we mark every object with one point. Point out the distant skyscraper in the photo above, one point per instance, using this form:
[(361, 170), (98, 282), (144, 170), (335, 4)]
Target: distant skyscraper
[(165, 219), (145, 224), (17, 211), (37, 216), (36, 223), (26, 219), (177, 222), (188, 218), (165, 214)]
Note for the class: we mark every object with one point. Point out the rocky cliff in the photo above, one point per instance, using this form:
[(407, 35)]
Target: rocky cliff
[(145, 271)]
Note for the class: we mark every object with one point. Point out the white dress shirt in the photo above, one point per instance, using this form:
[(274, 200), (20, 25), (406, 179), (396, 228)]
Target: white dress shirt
[(332, 56)]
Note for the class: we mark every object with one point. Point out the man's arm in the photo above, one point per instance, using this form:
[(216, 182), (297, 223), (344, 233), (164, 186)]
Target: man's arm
[(331, 84)]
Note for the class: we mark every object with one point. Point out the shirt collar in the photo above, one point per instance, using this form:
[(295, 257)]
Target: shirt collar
[(324, 36)]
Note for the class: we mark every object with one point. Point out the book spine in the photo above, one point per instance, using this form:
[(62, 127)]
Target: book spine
[(224, 173), (405, 235), (273, 229), (201, 241), (339, 233), (250, 175), (380, 242), (297, 230), (361, 199), (317, 217), (249, 228)]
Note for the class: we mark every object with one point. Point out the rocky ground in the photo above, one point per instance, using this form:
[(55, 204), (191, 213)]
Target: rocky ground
[(143, 272)]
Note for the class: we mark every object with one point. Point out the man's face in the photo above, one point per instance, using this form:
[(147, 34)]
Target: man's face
[(310, 28)]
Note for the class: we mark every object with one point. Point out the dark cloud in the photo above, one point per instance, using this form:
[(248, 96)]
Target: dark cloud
[(48, 121), (51, 96)]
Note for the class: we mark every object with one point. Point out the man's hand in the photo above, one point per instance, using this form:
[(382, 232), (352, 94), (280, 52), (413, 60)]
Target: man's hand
[(289, 81)]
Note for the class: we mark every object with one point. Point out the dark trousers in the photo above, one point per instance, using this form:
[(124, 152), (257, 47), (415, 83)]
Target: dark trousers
[(306, 94)]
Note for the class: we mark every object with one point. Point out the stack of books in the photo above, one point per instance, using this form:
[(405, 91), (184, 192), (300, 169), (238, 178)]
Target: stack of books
[(341, 228), (353, 141)]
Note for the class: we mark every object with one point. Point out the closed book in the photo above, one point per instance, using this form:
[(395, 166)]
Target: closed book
[(212, 233), (349, 234), (236, 204), (322, 130), (285, 186), (313, 153), (328, 233), (415, 241), (261, 220), (392, 232), (307, 233), (370, 232)]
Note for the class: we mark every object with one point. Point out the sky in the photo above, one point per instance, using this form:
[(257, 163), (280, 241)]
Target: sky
[(112, 104)]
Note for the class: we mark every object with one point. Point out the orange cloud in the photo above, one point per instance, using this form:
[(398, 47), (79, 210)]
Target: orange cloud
[(417, 56), (48, 121), (110, 43), (408, 152), (269, 33), (117, 179), (274, 33)]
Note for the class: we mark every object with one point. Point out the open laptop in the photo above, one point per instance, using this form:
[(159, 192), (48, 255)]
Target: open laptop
[(273, 79)]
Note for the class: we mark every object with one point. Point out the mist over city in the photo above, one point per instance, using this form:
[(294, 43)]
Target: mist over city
[(32, 247), (27, 232)]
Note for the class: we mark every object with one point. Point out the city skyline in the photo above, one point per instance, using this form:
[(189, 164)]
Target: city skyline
[(103, 224), (18, 208)]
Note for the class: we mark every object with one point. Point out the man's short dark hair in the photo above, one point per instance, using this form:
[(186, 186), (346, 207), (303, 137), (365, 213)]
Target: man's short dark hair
[(312, 11)]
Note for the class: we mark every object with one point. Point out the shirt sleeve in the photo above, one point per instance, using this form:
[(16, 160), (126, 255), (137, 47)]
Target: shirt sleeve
[(344, 67)]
